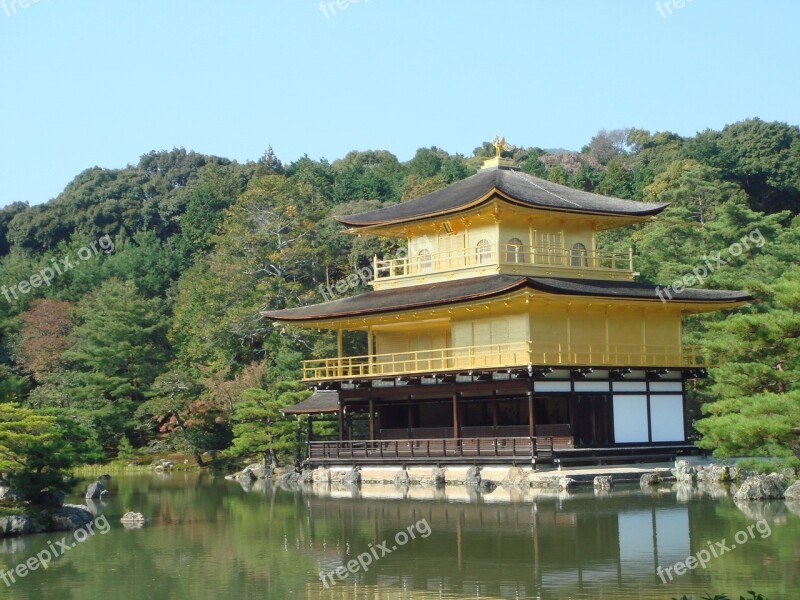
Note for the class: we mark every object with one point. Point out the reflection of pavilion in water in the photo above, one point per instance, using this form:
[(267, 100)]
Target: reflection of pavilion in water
[(505, 550)]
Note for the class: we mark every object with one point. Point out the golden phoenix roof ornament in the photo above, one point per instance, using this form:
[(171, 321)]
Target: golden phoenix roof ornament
[(500, 145)]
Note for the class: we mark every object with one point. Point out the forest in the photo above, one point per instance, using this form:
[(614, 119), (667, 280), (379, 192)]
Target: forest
[(129, 307)]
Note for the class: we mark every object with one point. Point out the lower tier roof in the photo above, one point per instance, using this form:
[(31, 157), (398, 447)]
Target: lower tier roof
[(476, 288)]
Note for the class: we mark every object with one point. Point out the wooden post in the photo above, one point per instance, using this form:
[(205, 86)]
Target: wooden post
[(371, 420), (531, 415), (369, 349), (456, 426), (339, 351)]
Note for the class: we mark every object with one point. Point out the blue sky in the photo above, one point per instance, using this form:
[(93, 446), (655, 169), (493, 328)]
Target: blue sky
[(88, 82)]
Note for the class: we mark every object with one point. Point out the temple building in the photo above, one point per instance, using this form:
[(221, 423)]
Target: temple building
[(502, 330)]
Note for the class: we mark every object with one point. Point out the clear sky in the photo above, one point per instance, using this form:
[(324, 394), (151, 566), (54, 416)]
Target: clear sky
[(91, 82)]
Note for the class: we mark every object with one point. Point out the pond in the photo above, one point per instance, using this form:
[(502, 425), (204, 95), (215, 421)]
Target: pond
[(209, 538)]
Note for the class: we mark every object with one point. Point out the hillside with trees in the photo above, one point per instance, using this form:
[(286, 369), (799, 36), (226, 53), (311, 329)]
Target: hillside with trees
[(152, 337)]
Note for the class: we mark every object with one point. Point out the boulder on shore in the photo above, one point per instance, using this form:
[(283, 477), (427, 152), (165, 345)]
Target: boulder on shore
[(715, 473), (7, 492), (289, 478), (760, 487), (70, 517), (247, 475), (50, 498), (15, 525), (792, 492), (260, 470)]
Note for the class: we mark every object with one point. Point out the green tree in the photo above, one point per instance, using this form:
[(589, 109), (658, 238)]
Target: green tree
[(117, 349), (755, 390), (193, 424), (37, 449), (260, 428)]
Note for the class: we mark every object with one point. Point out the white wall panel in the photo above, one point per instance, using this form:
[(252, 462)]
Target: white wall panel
[(630, 419)]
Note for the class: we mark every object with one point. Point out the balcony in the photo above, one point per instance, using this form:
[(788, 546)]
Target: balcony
[(503, 255), (499, 356)]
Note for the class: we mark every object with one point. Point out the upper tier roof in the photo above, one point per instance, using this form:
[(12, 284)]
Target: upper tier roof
[(474, 288), (519, 187)]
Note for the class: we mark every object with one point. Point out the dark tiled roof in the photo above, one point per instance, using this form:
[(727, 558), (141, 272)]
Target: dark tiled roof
[(321, 401), (463, 290), (630, 289), (409, 297), (525, 189)]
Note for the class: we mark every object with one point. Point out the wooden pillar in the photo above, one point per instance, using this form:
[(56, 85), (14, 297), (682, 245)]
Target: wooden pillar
[(456, 425), (370, 349), (341, 421), (371, 419), (531, 415), (310, 429), (494, 416), (339, 344), (297, 438), (410, 414)]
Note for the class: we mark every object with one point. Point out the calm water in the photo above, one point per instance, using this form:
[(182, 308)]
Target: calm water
[(211, 539)]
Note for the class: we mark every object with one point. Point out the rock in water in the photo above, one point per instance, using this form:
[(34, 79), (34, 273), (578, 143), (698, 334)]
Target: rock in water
[(684, 472), (472, 478), (649, 479), (603, 482), (487, 486), (760, 487), (247, 475), (352, 476), (260, 470), (289, 478), (133, 520), (793, 491), (566, 484), (402, 479), (95, 490)]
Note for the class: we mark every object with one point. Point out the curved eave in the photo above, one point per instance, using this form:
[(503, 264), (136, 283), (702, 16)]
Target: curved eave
[(486, 199), (300, 315), (459, 292), (514, 187)]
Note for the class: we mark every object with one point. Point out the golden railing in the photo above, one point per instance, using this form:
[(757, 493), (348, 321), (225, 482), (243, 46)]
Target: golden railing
[(503, 254), (494, 356)]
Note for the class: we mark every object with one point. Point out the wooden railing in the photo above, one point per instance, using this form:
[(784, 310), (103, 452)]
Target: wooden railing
[(493, 356), (502, 254), (508, 449)]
